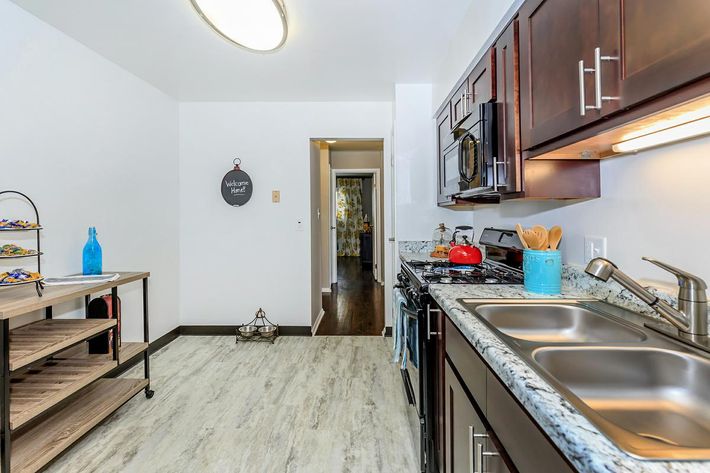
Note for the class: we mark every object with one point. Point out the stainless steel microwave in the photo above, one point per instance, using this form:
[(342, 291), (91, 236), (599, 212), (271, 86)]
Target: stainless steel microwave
[(477, 145)]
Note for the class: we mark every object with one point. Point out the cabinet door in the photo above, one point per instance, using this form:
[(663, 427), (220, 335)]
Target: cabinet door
[(662, 45), (464, 429), (447, 158), (481, 83), (508, 161), (554, 36)]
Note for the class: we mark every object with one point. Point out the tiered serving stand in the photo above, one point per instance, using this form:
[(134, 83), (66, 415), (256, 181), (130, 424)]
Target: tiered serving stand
[(38, 252)]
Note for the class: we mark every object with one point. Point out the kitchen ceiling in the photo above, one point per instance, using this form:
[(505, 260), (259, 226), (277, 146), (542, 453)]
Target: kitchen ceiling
[(337, 50)]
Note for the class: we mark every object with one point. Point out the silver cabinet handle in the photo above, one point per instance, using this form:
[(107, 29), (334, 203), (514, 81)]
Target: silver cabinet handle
[(429, 333), (497, 163), (479, 451), (465, 96), (583, 107), (598, 97), (477, 459), (597, 71), (471, 461)]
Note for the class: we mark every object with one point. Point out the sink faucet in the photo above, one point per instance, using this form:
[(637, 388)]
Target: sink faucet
[(692, 313)]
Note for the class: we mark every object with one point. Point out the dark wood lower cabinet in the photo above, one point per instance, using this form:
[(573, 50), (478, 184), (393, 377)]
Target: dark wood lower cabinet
[(470, 447), (464, 428), (485, 429)]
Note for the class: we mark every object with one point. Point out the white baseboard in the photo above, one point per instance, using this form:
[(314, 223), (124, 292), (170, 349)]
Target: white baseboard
[(314, 329), (325, 290)]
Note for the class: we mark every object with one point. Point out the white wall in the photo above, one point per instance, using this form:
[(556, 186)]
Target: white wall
[(417, 214), (92, 145), (235, 260), (478, 23), (656, 203)]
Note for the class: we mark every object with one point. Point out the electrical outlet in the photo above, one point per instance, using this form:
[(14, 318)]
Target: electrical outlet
[(299, 226), (275, 197), (594, 247)]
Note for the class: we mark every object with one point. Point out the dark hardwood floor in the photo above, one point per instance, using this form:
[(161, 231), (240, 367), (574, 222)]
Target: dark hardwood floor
[(356, 305)]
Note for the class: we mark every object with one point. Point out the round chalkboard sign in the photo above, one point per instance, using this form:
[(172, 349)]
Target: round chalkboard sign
[(236, 186)]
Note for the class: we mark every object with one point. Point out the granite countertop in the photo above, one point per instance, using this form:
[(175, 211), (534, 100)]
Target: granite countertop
[(584, 445)]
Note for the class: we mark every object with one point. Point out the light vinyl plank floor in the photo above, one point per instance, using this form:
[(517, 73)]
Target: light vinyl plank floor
[(302, 405)]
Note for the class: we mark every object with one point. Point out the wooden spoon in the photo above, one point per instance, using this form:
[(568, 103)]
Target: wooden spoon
[(521, 235), (542, 235), (532, 239), (555, 236)]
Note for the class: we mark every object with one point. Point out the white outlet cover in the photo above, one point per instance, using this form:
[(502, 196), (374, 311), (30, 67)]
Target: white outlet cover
[(299, 226), (594, 247)]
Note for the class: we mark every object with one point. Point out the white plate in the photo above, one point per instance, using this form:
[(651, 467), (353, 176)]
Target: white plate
[(18, 229), (28, 255), (21, 283)]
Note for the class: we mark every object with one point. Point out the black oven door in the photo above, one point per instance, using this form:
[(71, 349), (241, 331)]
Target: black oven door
[(413, 376)]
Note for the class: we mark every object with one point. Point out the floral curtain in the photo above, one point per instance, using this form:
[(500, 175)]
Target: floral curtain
[(348, 201)]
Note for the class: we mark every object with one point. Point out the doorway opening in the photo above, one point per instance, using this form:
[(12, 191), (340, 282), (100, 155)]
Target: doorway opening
[(351, 238)]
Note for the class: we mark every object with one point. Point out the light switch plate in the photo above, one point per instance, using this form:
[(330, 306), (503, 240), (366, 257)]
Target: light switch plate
[(275, 197), (594, 247), (299, 226)]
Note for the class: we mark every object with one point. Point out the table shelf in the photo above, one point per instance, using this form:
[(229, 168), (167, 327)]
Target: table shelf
[(37, 446), (44, 386), (38, 340)]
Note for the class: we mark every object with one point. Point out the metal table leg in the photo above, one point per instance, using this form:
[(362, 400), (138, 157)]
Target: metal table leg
[(114, 330), (146, 338), (5, 437)]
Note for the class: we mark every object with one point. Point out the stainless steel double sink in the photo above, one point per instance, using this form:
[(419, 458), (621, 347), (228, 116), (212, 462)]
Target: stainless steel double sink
[(646, 392)]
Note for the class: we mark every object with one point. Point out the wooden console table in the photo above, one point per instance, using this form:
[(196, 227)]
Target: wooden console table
[(52, 391)]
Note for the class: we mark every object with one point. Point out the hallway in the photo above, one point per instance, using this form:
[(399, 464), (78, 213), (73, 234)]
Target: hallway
[(356, 305)]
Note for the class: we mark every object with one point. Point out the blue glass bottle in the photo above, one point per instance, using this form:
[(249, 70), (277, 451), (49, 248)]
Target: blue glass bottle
[(92, 257)]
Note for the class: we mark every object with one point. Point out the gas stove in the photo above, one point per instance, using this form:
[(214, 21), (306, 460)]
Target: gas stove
[(444, 272), (503, 265)]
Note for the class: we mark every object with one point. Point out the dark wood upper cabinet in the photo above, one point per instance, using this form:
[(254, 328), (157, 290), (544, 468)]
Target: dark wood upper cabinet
[(481, 82), (448, 159), (583, 60), (509, 158), (555, 35), (661, 45)]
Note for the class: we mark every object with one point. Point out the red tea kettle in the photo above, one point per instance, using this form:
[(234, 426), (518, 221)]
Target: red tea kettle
[(464, 252)]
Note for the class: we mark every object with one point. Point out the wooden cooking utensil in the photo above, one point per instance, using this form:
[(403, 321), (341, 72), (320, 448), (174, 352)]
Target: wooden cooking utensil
[(542, 236), (532, 239), (521, 235), (555, 235)]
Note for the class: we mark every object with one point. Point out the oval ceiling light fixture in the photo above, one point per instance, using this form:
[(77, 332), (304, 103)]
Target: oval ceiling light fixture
[(256, 25)]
